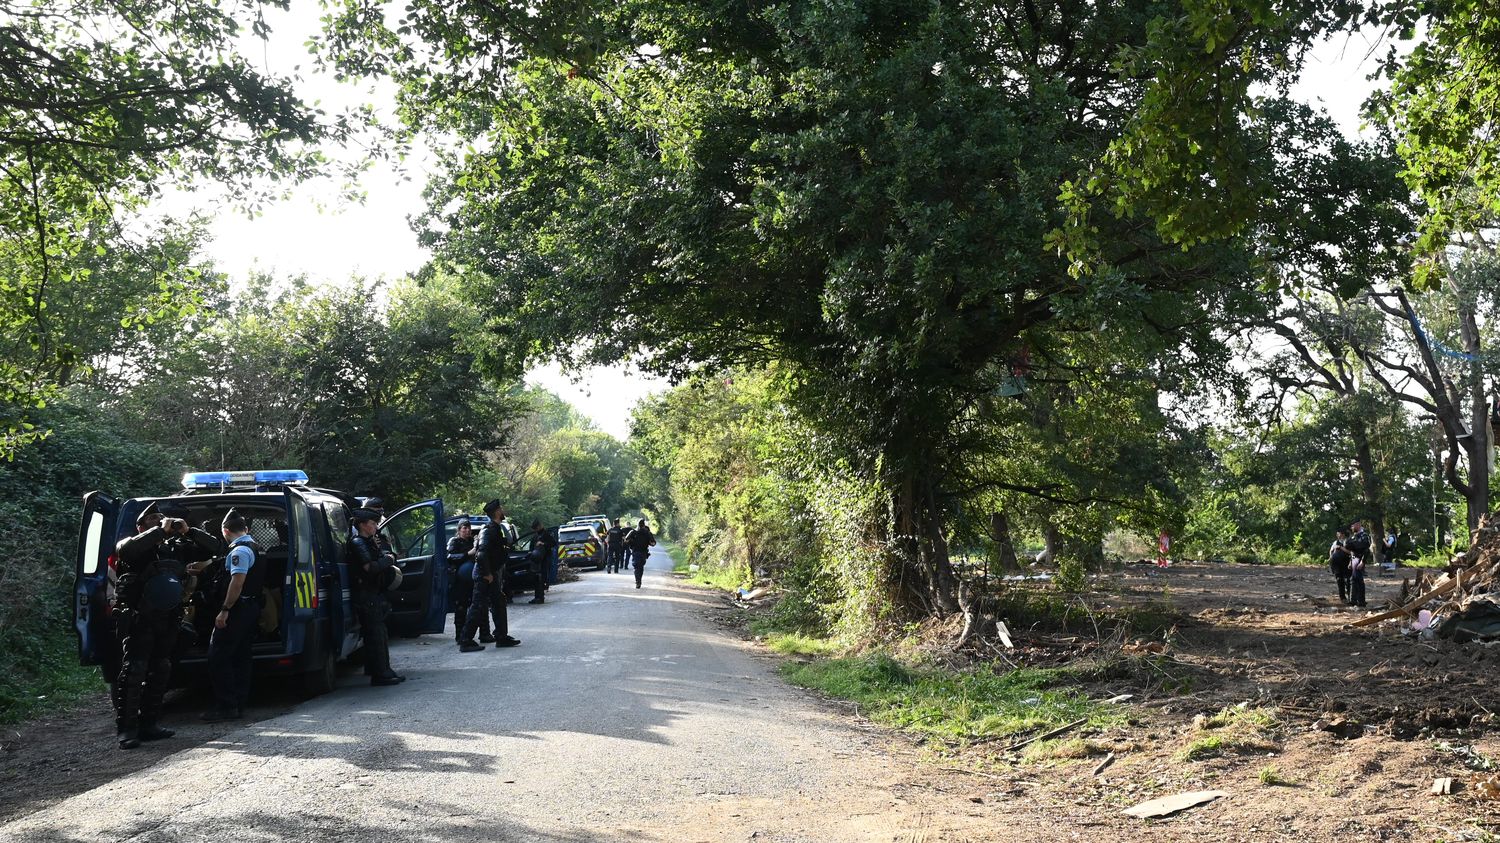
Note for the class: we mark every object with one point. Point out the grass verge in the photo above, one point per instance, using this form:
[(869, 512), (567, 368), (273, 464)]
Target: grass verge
[(715, 576), (962, 705), (47, 677)]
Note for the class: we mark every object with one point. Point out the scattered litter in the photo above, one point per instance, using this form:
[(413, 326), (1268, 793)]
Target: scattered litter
[(1486, 787), (1442, 786), (565, 573), (1168, 805), (1119, 698), (694, 568), (1004, 633), (748, 595)]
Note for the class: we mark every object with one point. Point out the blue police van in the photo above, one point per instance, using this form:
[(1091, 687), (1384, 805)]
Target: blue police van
[(307, 624)]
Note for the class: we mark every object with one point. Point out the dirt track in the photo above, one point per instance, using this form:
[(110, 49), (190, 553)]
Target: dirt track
[(668, 699)]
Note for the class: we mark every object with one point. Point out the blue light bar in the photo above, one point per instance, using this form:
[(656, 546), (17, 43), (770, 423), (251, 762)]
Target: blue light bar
[(223, 479), (281, 475)]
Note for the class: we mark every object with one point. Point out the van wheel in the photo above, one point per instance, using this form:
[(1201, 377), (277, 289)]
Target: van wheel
[(324, 679)]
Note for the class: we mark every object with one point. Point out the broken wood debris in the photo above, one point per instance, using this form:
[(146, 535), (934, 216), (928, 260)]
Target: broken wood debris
[(1464, 601)]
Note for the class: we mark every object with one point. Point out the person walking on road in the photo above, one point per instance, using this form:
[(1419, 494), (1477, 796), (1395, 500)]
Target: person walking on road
[(640, 540), (229, 657), (492, 552), (373, 568), (1338, 562)]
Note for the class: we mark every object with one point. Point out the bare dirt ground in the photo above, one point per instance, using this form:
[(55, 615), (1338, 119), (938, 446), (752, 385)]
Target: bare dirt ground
[(1365, 721)]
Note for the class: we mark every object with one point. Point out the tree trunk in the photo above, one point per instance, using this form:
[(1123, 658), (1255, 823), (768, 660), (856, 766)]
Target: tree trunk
[(1370, 485), (1052, 537), (1479, 422), (939, 563), (1005, 550)]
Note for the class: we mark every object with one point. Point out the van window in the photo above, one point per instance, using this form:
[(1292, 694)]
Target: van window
[(303, 521), (338, 522)]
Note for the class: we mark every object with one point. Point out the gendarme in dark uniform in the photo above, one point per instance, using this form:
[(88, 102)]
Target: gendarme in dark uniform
[(492, 552), (371, 569), (152, 567)]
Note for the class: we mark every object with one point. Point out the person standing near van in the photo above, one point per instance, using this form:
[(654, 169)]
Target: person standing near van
[(371, 568), (640, 541), (461, 577), (152, 566), (492, 552), (229, 656), (543, 553)]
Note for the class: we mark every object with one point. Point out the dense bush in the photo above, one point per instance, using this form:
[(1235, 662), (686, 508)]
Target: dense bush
[(41, 493)]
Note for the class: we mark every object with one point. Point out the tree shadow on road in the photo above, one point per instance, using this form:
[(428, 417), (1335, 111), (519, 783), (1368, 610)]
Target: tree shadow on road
[(443, 823)]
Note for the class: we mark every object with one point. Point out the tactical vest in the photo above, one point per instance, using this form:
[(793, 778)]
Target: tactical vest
[(255, 578)]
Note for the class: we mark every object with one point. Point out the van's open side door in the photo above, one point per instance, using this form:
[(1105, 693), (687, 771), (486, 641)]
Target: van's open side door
[(91, 574), (419, 537)]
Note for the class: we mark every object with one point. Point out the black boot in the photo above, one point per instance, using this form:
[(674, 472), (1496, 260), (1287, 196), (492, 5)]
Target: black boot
[(470, 646), (130, 738), (153, 732)]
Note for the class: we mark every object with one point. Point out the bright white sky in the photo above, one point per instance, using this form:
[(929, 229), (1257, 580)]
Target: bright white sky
[(311, 233)]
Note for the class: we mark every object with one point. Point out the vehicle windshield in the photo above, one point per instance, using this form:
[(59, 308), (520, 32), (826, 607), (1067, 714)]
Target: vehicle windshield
[(574, 534)]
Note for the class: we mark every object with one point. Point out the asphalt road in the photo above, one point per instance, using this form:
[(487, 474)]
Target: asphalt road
[(625, 715)]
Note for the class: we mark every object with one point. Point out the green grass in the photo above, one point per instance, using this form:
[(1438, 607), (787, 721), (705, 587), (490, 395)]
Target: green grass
[(1271, 777), (798, 644), (1437, 559), (1233, 730), (979, 703), (47, 677), (714, 576)]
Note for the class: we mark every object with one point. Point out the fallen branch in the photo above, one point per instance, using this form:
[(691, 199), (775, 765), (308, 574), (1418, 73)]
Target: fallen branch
[(1048, 735)]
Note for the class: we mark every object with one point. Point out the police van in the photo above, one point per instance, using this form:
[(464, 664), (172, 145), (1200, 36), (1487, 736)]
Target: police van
[(307, 623)]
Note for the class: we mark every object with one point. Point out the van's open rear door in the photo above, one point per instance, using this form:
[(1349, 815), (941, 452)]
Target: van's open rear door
[(96, 541), (419, 537)]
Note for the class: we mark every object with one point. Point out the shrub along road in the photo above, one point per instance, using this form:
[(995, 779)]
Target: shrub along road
[(625, 715)]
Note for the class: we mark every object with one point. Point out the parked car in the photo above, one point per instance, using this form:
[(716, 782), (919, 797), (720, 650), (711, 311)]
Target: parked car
[(307, 624), (579, 545)]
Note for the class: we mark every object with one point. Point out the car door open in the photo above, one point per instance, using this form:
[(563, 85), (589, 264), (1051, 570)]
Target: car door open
[(419, 605)]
